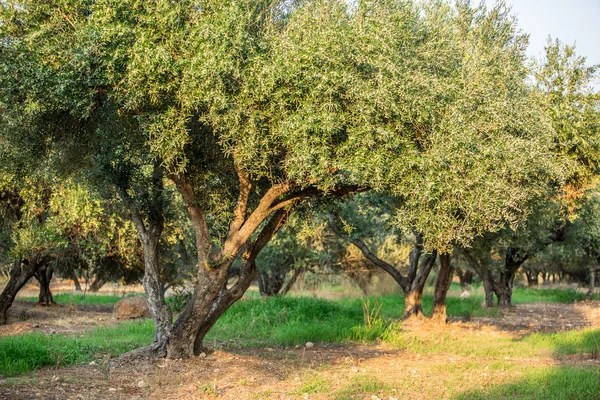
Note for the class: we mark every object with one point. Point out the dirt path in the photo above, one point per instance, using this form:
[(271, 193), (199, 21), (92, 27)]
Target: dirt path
[(319, 372), (28, 316)]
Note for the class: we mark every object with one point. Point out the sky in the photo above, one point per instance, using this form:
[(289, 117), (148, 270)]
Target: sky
[(571, 21)]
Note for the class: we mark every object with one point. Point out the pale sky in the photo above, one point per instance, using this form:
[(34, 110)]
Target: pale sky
[(571, 21)]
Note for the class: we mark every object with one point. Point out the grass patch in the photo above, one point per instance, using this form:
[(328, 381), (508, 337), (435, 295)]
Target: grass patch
[(296, 320), (315, 384), (523, 296), (585, 341), (360, 387), (281, 321), (545, 383), (24, 353), (69, 298)]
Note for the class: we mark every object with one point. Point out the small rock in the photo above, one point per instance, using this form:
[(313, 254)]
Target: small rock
[(393, 398), (309, 345), (202, 355), (269, 349), (92, 363), (55, 378), (305, 396), (141, 384), (112, 390), (354, 369), (100, 319), (373, 397)]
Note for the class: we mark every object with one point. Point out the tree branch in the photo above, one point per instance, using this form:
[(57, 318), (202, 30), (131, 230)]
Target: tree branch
[(241, 208), (394, 273)]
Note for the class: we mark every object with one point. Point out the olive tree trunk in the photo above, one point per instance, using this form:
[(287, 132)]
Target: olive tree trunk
[(442, 285), (97, 283), (413, 301), (44, 277), (466, 279), (20, 274), (212, 297), (590, 292)]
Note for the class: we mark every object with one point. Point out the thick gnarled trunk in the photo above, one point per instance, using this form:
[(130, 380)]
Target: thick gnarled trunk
[(442, 285), (20, 274), (212, 297), (413, 306), (44, 277)]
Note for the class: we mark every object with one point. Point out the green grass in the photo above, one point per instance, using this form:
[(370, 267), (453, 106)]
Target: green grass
[(585, 341), (293, 321), (556, 383), (534, 295), (361, 387), (68, 298), (296, 320), (522, 296), (31, 351)]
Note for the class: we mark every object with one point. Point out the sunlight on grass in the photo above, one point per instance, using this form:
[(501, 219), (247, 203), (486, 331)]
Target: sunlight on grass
[(545, 383)]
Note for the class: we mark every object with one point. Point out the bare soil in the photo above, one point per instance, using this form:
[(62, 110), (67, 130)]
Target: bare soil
[(322, 371)]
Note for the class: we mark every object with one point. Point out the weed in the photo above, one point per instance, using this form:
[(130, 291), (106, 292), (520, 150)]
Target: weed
[(209, 388), (361, 386), (314, 384)]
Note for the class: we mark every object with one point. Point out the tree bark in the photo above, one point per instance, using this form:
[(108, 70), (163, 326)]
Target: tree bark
[(44, 277), (270, 282), (488, 288), (466, 279), (413, 307), (290, 283), (20, 274), (212, 297), (153, 287), (75, 280), (512, 263), (97, 283), (442, 285), (369, 255), (590, 292)]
